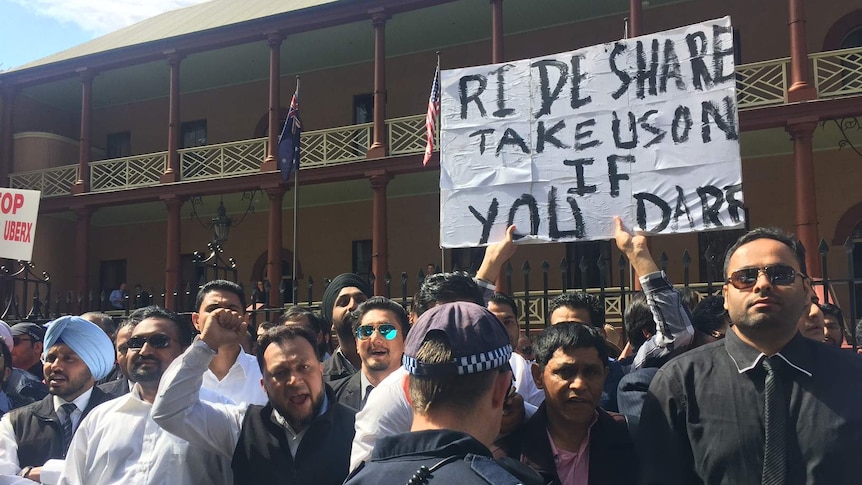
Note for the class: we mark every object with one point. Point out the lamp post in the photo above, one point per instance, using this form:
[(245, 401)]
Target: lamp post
[(221, 225)]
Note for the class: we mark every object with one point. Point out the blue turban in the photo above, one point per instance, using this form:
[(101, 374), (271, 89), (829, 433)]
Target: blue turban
[(85, 339)]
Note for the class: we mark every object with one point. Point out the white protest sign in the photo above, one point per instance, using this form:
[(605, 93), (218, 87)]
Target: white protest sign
[(19, 210), (644, 128)]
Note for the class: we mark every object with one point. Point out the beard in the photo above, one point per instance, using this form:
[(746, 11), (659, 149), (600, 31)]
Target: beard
[(72, 386), (141, 374), (296, 418)]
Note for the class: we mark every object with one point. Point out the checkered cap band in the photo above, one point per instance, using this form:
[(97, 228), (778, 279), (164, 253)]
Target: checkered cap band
[(470, 364)]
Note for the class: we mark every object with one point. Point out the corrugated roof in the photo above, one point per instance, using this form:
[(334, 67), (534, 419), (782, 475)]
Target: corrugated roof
[(196, 18)]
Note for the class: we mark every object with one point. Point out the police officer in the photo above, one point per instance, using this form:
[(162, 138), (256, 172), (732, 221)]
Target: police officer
[(457, 357)]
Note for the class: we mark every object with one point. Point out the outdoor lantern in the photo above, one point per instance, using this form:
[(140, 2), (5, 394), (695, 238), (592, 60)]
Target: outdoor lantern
[(221, 225)]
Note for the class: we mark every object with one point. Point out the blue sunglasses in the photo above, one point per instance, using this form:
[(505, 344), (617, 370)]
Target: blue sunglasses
[(386, 330)]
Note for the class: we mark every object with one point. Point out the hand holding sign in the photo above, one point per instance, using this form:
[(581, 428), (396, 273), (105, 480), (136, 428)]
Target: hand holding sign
[(496, 255), (634, 246)]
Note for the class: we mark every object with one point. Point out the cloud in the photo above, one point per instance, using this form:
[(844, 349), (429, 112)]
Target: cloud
[(102, 16)]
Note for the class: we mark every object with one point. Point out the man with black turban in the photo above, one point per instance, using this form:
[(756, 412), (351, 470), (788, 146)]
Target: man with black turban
[(342, 296)]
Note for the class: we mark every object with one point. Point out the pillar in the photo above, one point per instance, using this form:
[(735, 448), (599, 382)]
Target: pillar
[(173, 275), (270, 163), (172, 168), (274, 244), (800, 84), (6, 131), (635, 18), (380, 236), (806, 198), (82, 253), (82, 184), (379, 147), (496, 31)]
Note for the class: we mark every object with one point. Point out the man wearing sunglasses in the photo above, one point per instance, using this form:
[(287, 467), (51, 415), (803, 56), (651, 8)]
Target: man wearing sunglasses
[(380, 326), (119, 442), (764, 404)]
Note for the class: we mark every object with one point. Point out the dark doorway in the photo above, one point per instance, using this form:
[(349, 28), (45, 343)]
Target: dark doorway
[(111, 274)]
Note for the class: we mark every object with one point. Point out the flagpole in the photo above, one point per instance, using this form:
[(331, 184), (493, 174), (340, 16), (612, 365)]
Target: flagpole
[(295, 218)]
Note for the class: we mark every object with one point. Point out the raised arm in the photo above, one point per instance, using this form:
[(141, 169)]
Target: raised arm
[(179, 409), (672, 318)]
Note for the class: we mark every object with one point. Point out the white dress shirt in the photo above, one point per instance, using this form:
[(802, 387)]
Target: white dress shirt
[(524, 383), (119, 443), (241, 384), (9, 464)]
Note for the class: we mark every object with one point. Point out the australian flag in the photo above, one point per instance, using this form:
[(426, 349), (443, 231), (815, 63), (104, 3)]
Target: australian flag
[(288, 142)]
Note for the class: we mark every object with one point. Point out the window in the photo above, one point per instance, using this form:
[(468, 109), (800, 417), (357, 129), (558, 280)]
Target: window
[(853, 39), (362, 258), (194, 133), (119, 145), (363, 108)]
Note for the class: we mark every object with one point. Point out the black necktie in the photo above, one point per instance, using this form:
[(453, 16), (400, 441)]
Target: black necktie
[(68, 408), (368, 390), (775, 421)]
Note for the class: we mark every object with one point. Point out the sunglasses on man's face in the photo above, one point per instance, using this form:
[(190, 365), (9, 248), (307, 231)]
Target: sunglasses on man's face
[(777, 274), (157, 341), (386, 330)]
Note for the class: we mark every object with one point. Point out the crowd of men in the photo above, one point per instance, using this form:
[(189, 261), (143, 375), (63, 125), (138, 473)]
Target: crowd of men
[(751, 387)]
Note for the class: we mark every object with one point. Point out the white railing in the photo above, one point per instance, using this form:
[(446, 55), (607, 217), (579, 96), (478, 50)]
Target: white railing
[(335, 145), (762, 83), (838, 73), (52, 182), (224, 159), (127, 172)]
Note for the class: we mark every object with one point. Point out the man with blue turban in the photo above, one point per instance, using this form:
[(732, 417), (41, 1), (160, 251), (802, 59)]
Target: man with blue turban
[(76, 354)]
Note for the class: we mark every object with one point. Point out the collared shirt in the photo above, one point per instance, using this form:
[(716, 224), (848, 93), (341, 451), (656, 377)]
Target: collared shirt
[(573, 467), (703, 421), (524, 383), (119, 443), (293, 437), (364, 385), (241, 384), (80, 403)]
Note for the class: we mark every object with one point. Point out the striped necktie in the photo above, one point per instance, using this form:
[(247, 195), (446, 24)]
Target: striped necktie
[(68, 409), (775, 422)]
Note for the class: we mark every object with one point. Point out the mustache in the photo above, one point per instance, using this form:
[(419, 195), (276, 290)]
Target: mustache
[(143, 359)]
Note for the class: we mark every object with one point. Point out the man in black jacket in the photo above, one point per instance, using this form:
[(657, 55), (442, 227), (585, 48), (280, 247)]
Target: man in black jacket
[(301, 436), (77, 353)]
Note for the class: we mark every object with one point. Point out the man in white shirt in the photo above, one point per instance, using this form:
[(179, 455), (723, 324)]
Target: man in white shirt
[(77, 353), (301, 436), (231, 372), (142, 452), (506, 310)]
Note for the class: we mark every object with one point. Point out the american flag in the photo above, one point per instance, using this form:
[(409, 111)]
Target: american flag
[(431, 116), (289, 141)]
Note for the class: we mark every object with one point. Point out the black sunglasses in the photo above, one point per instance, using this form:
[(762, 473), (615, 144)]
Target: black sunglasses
[(157, 341), (777, 274)]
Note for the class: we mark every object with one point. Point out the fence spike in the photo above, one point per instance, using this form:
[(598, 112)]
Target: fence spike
[(823, 248), (663, 259)]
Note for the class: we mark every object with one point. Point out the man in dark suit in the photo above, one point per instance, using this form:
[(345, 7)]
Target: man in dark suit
[(380, 326), (121, 385), (77, 353), (571, 367)]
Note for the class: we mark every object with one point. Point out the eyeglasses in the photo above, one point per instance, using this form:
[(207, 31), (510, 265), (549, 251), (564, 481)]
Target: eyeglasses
[(386, 330), (157, 341), (777, 274)]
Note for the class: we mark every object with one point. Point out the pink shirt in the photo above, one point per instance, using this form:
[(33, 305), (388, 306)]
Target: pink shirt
[(573, 468)]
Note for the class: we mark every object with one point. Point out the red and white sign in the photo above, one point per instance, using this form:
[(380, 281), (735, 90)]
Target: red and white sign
[(18, 212)]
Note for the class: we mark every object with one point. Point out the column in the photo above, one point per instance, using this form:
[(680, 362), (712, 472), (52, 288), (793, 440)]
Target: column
[(380, 236), (274, 244), (496, 31), (82, 184), (82, 254), (635, 18), (172, 169), (802, 130), (173, 270), (270, 163), (6, 132), (800, 84), (378, 146)]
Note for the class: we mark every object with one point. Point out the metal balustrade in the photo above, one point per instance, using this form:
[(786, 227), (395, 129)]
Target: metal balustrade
[(127, 172), (836, 73)]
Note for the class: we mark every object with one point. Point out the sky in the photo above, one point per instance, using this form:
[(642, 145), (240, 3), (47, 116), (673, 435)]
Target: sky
[(32, 29)]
